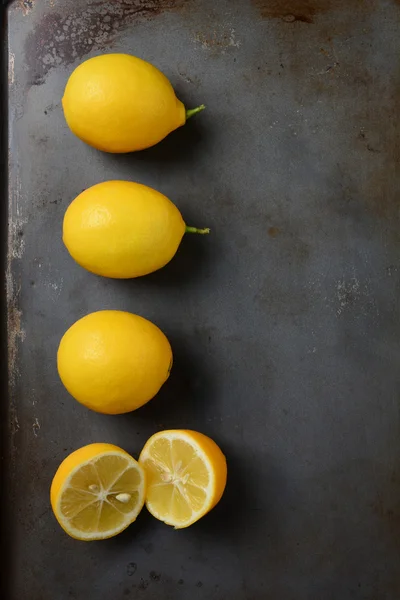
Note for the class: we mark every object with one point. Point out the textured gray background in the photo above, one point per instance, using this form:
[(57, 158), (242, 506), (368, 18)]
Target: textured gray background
[(284, 321)]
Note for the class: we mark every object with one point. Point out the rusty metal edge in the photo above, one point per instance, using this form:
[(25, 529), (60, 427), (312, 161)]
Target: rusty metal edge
[(5, 506)]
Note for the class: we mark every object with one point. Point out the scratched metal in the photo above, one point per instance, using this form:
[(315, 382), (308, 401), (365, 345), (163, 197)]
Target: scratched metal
[(284, 321)]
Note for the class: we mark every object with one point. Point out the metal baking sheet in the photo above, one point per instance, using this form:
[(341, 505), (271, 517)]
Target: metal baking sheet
[(284, 322)]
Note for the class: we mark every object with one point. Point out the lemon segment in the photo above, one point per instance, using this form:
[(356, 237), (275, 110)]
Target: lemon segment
[(97, 492), (186, 473)]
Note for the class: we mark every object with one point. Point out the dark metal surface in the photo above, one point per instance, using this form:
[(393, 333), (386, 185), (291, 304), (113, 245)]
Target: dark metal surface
[(284, 322)]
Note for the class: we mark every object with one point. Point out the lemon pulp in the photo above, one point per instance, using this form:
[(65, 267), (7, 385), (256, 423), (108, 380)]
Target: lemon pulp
[(97, 492), (186, 474)]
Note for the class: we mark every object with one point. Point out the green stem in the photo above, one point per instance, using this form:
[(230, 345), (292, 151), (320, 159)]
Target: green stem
[(195, 230), (194, 111)]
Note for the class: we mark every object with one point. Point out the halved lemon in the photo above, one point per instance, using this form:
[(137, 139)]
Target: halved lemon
[(97, 492), (186, 476)]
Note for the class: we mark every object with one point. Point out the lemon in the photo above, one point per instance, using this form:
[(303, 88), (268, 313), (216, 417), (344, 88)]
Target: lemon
[(186, 474), (121, 103), (114, 362), (97, 492), (123, 229)]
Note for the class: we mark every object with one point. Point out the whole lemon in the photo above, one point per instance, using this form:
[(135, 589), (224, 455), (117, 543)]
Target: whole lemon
[(123, 229), (121, 103), (114, 362)]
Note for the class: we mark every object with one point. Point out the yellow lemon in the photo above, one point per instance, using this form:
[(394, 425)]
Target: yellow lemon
[(97, 492), (121, 103), (186, 476), (114, 362), (123, 229)]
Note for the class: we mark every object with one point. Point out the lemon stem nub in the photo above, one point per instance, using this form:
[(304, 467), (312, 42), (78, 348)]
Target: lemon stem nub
[(195, 230), (194, 111)]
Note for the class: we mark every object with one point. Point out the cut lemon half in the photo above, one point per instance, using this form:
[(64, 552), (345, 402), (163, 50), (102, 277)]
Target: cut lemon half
[(97, 492), (186, 476)]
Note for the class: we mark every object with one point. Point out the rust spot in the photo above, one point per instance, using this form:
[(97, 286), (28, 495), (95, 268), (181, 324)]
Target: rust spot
[(15, 335), (26, 5), (62, 38), (218, 39), (293, 10), (273, 231), (299, 10), (15, 332)]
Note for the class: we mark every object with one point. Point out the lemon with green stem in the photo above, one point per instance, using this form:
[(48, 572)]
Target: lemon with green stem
[(122, 229), (121, 103)]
